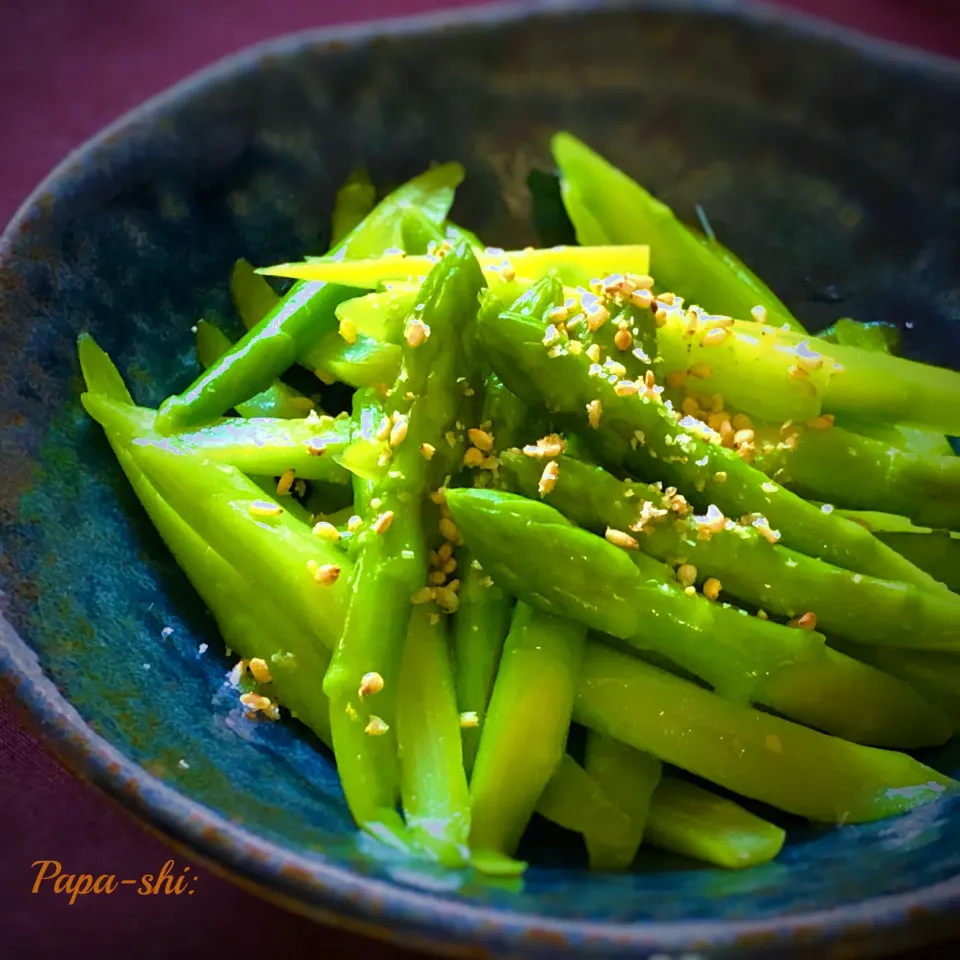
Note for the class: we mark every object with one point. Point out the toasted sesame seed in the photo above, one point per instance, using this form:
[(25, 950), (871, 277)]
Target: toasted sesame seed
[(548, 479), (399, 432), (690, 591), (416, 332), (437, 578), (743, 436), (593, 352), (597, 317), (686, 574), (823, 422), (376, 727), (762, 615), (795, 372), (260, 670), (714, 337), (552, 445), (616, 369), (370, 684), (447, 598), (762, 525), (626, 388), (727, 434), (427, 450), (448, 529), (327, 574), (759, 313), (623, 340), (712, 588), (445, 552), (450, 566), (265, 508), (720, 476), (348, 330), (769, 487), (469, 719), (480, 439), (807, 621), (594, 412), (558, 314), (690, 407), (489, 463), (620, 539), (353, 524), (423, 595), (676, 379), (575, 347), (641, 298), (383, 521), (473, 457), (285, 483), (383, 431)]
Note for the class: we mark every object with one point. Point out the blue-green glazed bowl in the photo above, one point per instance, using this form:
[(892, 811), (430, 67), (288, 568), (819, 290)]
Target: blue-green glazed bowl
[(831, 163)]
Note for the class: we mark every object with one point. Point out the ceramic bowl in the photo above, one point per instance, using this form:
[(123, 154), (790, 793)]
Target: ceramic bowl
[(829, 162)]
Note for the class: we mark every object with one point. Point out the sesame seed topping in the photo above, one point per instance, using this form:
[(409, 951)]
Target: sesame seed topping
[(623, 340), (383, 521), (690, 591), (448, 529), (399, 431), (265, 508), (593, 352), (759, 313), (370, 684), (423, 595), (451, 438), (712, 588), (686, 574), (807, 621), (285, 483), (795, 372), (327, 574), (769, 487), (676, 379), (823, 422), (626, 388), (552, 445), (376, 727), (714, 337), (260, 670), (427, 450), (594, 412), (480, 439), (353, 524), (416, 332), (473, 457), (469, 719), (620, 539), (548, 479)]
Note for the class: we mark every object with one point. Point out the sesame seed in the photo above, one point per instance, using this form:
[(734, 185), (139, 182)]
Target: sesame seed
[(489, 463), (427, 450), (265, 508), (720, 476), (438, 497), (795, 372), (370, 684), (416, 332), (383, 521), (626, 388), (353, 524), (759, 313), (260, 670), (383, 431), (714, 337), (808, 621), (597, 317), (743, 436), (423, 595), (376, 727), (285, 483), (437, 578), (473, 457), (620, 539), (593, 352), (399, 432), (558, 314), (451, 438), (552, 445), (676, 379), (686, 574), (823, 422), (447, 598), (690, 591), (575, 347), (548, 479), (623, 340), (769, 487), (448, 529), (327, 574), (641, 298), (712, 588), (762, 615), (480, 439), (348, 330), (594, 412), (762, 525), (469, 719), (616, 369), (690, 407)]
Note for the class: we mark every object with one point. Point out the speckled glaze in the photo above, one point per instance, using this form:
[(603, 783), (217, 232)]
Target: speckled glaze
[(830, 163)]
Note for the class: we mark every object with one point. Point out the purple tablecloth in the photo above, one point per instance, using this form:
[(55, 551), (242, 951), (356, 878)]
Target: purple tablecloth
[(67, 67)]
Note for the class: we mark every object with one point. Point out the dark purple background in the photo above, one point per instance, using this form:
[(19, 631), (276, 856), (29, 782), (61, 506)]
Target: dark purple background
[(67, 67)]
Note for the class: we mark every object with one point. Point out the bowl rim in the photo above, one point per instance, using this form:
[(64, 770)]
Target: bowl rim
[(304, 882)]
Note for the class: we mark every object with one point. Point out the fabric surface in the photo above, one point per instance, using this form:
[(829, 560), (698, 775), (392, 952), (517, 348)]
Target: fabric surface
[(67, 67)]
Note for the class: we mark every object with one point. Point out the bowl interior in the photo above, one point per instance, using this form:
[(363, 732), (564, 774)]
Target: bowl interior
[(830, 169)]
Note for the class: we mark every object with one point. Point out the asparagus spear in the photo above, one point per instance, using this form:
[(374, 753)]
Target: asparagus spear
[(304, 315), (754, 754), (315, 448), (534, 552), (631, 427), (620, 210), (937, 552), (694, 822), (252, 295), (682, 817), (774, 578), (630, 779), (436, 800), (354, 200), (296, 662), (278, 400), (525, 732), (391, 564), (574, 800)]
